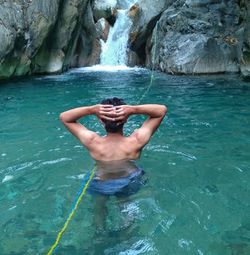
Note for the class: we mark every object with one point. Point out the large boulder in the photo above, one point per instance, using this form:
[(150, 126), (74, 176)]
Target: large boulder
[(12, 27), (144, 15), (58, 49), (40, 17), (195, 37), (42, 36), (88, 49)]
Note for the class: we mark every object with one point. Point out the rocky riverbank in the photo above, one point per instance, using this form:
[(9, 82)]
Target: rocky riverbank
[(179, 37)]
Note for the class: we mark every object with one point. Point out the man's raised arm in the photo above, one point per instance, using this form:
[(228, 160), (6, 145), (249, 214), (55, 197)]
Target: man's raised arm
[(70, 117)]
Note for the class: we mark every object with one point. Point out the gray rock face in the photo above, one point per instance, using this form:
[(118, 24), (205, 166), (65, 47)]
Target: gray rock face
[(195, 37), (245, 61), (144, 15), (198, 39), (104, 9), (88, 49), (42, 36)]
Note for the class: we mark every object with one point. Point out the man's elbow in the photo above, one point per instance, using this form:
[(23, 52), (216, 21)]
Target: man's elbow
[(164, 110), (63, 117)]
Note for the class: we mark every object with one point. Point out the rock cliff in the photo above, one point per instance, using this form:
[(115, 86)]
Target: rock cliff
[(195, 37), (44, 36), (174, 36)]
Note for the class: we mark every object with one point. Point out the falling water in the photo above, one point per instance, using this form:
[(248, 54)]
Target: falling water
[(114, 51)]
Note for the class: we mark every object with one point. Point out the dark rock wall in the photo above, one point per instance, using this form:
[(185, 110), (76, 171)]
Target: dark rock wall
[(42, 36), (197, 36)]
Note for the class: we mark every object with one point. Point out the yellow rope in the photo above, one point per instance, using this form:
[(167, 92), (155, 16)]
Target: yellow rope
[(148, 88), (59, 236)]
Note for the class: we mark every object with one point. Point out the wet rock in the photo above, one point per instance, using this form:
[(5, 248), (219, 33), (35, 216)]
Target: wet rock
[(134, 60), (194, 53), (195, 37), (59, 47), (200, 3), (245, 61), (88, 48), (105, 9), (102, 28), (48, 62), (40, 17), (144, 19), (41, 36), (192, 36), (133, 11)]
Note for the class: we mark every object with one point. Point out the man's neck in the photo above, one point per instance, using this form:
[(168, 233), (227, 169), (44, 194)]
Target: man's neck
[(117, 134)]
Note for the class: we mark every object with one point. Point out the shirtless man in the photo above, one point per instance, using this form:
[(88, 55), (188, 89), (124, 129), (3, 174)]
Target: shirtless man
[(114, 152), (116, 173)]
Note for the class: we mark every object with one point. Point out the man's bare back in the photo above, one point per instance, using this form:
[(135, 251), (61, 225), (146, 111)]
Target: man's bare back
[(114, 146)]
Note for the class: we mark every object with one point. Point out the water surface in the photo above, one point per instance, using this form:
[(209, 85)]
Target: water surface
[(196, 200)]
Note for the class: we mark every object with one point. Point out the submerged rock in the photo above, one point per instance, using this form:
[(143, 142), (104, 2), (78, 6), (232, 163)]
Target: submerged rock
[(238, 240)]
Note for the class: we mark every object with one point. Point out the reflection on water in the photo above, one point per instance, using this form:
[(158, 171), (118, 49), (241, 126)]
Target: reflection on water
[(196, 200)]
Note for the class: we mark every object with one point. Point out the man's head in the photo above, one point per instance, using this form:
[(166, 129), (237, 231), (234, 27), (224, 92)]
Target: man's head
[(113, 126)]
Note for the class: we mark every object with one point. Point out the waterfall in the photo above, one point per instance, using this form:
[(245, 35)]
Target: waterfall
[(114, 51)]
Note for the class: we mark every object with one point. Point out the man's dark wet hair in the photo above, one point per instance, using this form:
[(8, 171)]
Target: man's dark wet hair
[(112, 126)]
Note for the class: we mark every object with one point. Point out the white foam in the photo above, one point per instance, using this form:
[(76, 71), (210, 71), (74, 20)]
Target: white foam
[(7, 178), (13, 207), (76, 177), (104, 68), (51, 162)]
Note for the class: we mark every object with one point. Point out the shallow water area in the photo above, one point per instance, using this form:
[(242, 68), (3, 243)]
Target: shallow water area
[(196, 199)]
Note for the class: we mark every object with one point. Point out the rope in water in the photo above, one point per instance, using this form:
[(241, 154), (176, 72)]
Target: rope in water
[(86, 181), (78, 199)]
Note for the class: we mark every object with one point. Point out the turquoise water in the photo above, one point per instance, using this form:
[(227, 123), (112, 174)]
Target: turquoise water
[(196, 200)]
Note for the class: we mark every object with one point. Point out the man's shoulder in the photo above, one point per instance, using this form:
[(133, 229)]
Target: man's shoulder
[(135, 136), (88, 138), (140, 137)]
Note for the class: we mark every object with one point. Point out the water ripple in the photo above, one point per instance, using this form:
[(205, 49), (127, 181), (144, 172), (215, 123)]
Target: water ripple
[(16, 168), (186, 155), (165, 148), (51, 162), (141, 246), (165, 224)]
